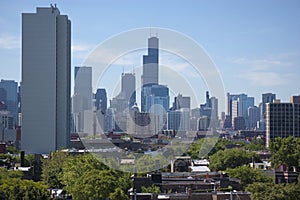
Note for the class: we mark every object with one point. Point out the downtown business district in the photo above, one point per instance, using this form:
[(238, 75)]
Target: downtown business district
[(39, 117)]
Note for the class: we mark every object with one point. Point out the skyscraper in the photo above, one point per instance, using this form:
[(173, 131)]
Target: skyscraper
[(181, 102), (83, 87), (210, 110), (128, 88), (11, 88), (46, 71), (214, 112), (150, 63), (253, 116), (82, 98), (179, 115), (282, 120), (266, 98), (3, 95), (101, 100), (156, 100), (179, 119), (241, 102)]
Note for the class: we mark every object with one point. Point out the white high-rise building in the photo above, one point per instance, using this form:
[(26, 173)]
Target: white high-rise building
[(46, 66)]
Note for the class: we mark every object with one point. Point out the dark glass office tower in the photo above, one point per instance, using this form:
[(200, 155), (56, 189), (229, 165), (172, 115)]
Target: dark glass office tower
[(150, 63)]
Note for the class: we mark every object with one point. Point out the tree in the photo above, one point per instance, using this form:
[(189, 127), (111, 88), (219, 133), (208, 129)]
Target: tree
[(231, 158), (85, 177), (256, 144), (52, 169), (12, 150), (271, 191), (147, 163), (152, 189), (118, 194), (5, 174), (13, 188), (75, 167), (285, 151), (95, 184), (248, 175), (6, 160), (206, 147)]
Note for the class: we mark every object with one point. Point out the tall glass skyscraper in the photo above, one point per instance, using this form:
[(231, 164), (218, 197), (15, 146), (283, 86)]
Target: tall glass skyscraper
[(11, 88), (150, 63), (154, 97), (128, 88), (46, 79), (101, 100)]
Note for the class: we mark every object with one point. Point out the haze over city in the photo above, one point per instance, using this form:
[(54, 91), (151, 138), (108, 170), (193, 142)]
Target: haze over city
[(255, 45)]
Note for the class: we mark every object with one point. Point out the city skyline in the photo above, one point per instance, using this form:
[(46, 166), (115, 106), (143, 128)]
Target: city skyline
[(263, 54)]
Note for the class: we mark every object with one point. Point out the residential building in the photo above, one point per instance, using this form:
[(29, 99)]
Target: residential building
[(46, 71), (282, 119)]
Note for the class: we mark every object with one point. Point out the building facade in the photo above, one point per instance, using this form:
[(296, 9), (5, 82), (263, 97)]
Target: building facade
[(101, 100), (253, 117), (150, 63), (46, 71), (282, 120), (128, 88), (266, 98), (11, 88), (82, 99)]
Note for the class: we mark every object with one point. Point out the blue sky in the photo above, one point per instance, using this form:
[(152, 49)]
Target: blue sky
[(255, 44)]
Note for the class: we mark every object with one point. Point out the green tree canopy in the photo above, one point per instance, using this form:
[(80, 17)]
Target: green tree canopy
[(85, 177), (231, 158), (118, 194), (285, 151), (256, 144), (5, 174), (248, 175), (206, 147), (52, 169), (271, 191), (152, 189), (14, 188), (147, 163)]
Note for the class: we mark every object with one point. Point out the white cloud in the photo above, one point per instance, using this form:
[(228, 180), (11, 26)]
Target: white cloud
[(108, 56), (9, 42), (265, 63), (174, 64), (270, 71), (268, 79), (81, 47)]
